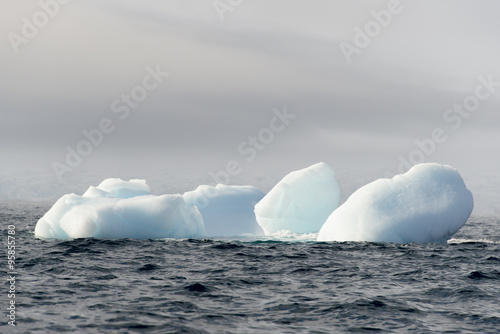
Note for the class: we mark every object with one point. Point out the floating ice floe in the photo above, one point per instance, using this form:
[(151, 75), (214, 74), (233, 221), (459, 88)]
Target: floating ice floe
[(127, 209), (429, 203), (120, 209), (227, 210), (300, 202)]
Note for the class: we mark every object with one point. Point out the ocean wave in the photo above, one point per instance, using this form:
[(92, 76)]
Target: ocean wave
[(472, 241)]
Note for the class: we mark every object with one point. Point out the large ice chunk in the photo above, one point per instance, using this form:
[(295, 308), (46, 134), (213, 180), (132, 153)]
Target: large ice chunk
[(120, 209), (227, 210), (427, 204), (301, 202)]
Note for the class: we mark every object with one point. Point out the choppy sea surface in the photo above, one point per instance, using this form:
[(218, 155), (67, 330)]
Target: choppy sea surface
[(285, 284)]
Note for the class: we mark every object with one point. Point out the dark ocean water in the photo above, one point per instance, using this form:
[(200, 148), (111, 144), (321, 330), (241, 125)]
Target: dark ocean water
[(249, 285)]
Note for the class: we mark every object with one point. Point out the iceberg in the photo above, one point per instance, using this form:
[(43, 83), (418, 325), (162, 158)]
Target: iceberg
[(300, 202), (427, 204), (227, 210), (120, 209)]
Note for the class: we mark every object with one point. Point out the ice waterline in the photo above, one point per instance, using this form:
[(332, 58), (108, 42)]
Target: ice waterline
[(429, 203)]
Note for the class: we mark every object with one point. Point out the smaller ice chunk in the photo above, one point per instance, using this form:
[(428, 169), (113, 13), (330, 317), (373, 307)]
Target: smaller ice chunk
[(118, 188), (300, 202), (427, 204), (227, 210), (120, 209)]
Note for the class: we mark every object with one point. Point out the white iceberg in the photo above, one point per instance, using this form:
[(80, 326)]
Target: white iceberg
[(120, 209), (227, 210), (301, 202), (427, 204)]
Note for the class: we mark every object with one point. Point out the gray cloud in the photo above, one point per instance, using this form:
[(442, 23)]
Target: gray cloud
[(226, 78)]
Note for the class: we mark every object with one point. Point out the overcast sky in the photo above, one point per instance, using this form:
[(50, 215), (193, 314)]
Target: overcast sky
[(230, 67)]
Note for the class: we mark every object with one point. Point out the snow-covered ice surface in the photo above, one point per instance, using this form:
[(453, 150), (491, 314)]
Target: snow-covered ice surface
[(119, 209), (118, 188), (301, 202), (429, 203), (227, 210)]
